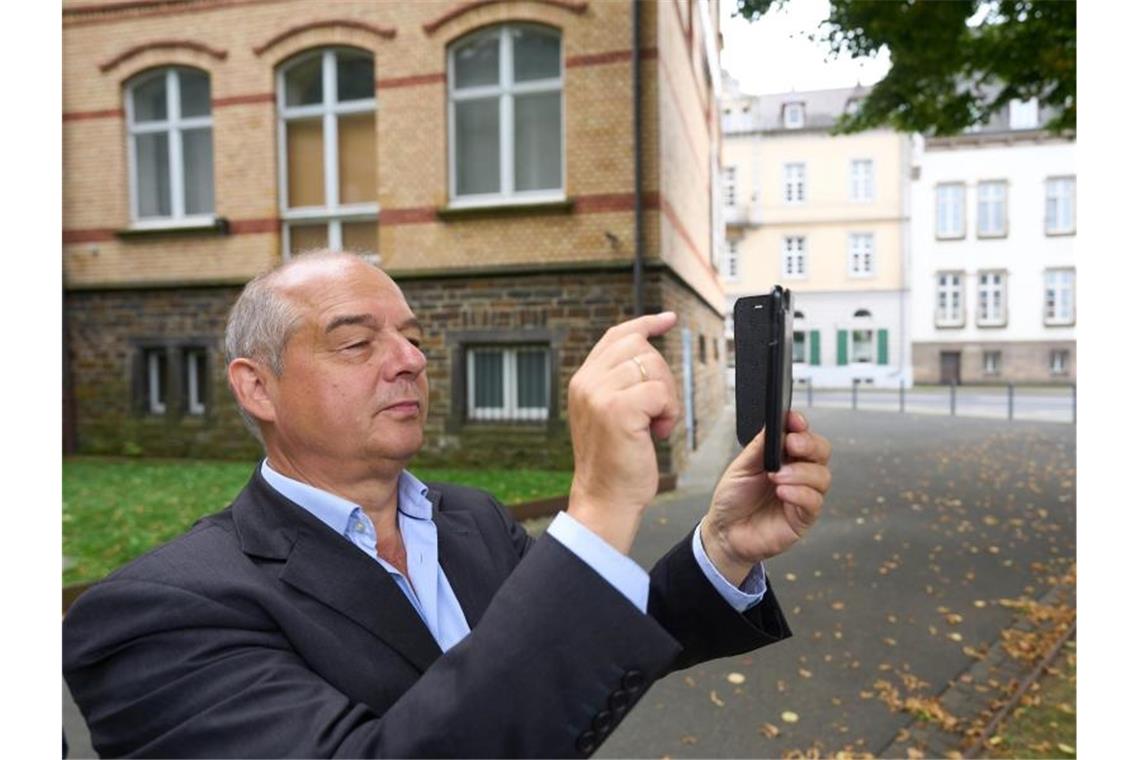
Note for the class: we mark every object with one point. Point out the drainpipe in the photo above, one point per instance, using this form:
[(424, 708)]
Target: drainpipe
[(638, 234)]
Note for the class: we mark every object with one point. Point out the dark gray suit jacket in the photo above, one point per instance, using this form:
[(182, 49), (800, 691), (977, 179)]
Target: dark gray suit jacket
[(261, 633)]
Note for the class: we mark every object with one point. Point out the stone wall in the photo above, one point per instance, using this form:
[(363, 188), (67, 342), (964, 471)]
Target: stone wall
[(568, 311), (1021, 361)]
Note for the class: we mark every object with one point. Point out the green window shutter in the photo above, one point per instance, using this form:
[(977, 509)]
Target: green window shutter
[(814, 348), (882, 346), (841, 348)]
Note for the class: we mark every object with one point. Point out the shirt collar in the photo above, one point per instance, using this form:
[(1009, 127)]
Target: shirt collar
[(337, 512)]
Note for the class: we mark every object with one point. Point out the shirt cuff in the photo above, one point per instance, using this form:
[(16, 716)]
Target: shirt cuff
[(741, 599), (620, 571)]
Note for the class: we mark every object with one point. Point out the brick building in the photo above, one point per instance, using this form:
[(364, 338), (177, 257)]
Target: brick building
[(484, 151)]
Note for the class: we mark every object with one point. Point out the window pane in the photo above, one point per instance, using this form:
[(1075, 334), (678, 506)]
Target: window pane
[(538, 141), (198, 170), (360, 236), (354, 77), (194, 93), (305, 147), (149, 99), (536, 55), (303, 86), (477, 62), (489, 379), (155, 380), (477, 146), (153, 167), (356, 158), (307, 237), (531, 378), (194, 361)]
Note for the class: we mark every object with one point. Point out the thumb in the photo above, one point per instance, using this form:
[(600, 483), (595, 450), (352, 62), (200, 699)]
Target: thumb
[(750, 461)]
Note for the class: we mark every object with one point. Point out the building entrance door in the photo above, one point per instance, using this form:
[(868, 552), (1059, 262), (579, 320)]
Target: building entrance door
[(950, 368)]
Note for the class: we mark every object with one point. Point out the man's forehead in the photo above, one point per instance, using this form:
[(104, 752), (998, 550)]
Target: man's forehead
[(328, 284)]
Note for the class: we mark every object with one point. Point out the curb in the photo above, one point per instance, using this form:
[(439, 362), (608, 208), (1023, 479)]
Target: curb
[(970, 695)]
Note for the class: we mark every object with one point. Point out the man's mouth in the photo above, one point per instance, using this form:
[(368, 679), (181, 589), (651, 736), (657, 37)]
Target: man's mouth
[(407, 406)]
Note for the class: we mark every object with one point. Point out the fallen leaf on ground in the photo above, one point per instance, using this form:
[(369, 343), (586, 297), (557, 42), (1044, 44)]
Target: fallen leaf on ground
[(736, 678), (715, 699), (789, 717), (769, 730)]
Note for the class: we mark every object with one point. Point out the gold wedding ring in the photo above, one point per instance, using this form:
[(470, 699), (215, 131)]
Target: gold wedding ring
[(640, 368)]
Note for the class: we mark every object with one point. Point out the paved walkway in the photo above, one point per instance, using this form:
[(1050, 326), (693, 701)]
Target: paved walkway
[(934, 525), (933, 528)]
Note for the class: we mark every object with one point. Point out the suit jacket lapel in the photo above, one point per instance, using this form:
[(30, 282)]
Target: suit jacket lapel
[(464, 559), (323, 565)]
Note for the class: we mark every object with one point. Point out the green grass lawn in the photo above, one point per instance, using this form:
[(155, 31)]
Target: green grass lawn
[(1045, 724), (116, 509)]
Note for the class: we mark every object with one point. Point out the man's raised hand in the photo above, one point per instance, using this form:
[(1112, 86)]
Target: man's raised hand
[(621, 396)]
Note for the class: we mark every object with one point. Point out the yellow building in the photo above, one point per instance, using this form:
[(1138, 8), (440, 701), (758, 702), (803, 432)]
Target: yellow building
[(489, 154), (827, 217)]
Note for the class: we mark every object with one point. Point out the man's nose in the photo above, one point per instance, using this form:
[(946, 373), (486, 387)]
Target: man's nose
[(406, 358)]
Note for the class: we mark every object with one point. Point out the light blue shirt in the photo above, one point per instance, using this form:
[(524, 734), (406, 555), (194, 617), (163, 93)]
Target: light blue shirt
[(428, 589)]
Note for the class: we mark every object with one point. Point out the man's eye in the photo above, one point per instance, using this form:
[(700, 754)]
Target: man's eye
[(415, 342), (360, 344)]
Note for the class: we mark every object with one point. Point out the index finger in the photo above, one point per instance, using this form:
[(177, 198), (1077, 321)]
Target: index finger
[(648, 326)]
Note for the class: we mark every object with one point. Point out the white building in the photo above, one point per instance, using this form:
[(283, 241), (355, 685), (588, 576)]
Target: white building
[(826, 216), (994, 254)]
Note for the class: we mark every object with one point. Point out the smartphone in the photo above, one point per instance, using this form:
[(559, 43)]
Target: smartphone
[(763, 329)]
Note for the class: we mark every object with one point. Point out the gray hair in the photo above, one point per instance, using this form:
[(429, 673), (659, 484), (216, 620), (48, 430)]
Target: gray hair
[(263, 319)]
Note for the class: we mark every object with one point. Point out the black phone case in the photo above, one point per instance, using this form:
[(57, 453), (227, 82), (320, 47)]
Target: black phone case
[(763, 370)]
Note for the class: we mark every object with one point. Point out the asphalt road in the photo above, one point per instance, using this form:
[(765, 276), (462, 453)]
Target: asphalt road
[(928, 517)]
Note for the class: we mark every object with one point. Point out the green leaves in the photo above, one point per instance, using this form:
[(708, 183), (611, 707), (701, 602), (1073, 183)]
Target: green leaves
[(947, 74)]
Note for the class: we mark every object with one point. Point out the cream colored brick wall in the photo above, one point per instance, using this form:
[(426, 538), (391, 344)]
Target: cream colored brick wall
[(686, 139), (411, 138)]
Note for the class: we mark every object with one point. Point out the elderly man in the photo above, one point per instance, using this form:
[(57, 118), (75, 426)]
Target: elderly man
[(339, 607)]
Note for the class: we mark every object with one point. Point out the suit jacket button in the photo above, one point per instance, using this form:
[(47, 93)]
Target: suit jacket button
[(587, 742), (633, 680), (603, 722), (619, 701)]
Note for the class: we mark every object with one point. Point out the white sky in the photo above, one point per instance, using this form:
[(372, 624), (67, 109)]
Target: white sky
[(773, 54)]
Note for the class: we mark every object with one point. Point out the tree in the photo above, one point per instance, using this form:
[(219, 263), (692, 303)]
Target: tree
[(947, 74)]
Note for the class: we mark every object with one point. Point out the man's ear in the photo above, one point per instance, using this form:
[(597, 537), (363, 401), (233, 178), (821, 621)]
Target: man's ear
[(249, 381)]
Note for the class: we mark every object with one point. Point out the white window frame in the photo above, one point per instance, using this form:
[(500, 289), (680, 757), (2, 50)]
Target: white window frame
[(1061, 191), (992, 298), (173, 126), (1023, 114), (1059, 361), (510, 411), (333, 213), (795, 187), (794, 115), (947, 193), (991, 362), (789, 255), (869, 344), (950, 299), (729, 186), (993, 200), (861, 254), (506, 94), (862, 186), (195, 396), (1058, 282), (156, 390), (732, 260)]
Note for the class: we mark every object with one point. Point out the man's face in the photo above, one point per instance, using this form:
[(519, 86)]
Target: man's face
[(353, 391)]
